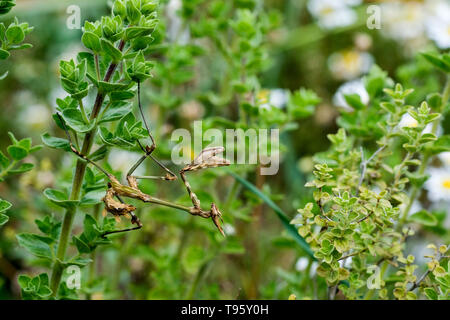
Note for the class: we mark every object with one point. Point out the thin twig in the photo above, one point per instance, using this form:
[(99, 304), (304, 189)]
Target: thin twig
[(424, 276), (364, 164)]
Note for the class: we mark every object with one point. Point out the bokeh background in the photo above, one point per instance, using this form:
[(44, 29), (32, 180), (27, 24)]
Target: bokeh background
[(319, 45)]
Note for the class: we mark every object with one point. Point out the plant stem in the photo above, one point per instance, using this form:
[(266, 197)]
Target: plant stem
[(427, 156), (77, 182), (83, 112)]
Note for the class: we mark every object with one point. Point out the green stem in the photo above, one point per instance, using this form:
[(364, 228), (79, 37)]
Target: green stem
[(426, 158), (83, 112), (77, 182), (6, 171), (97, 66), (92, 266)]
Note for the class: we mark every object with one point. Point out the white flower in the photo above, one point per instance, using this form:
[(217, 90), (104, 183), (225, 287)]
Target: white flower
[(351, 87), (314, 267), (409, 122), (174, 32), (273, 98), (445, 158), (438, 185), (301, 264), (332, 14), (438, 23), (349, 64), (229, 229), (403, 21), (346, 263)]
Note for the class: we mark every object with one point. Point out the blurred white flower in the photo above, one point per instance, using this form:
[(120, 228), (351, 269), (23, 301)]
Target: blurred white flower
[(363, 41), (301, 264), (409, 122), (272, 98), (349, 64), (403, 20), (122, 160), (437, 23), (346, 263), (445, 158), (351, 2), (351, 87), (229, 229), (35, 116), (438, 185), (313, 269), (415, 207), (192, 110), (297, 216), (333, 14), (174, 32)]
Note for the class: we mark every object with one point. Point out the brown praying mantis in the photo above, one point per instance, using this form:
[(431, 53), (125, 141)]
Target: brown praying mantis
[(206, 159)]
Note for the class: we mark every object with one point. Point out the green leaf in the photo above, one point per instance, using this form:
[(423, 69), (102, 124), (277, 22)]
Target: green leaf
[(4, 205), (107, 87), (24, 167), (430, 293), (424, 217), (3, 219), (92, 197), (25, 143), (116, 112), (438, 61), (79, 261), (121, 95), (15, 34), (442, 144), (49, 226), (4, 54), (302, 102), (417, 179), (36, 288), (111, 51), (54, 142), (75, 120), (99, 154), (291, 230), (354, 100), (35, 245), (82, 247), (133, 13), (4, 75), (17, 152), (60, 198), (91, 41), (134, 32), (4, 161)]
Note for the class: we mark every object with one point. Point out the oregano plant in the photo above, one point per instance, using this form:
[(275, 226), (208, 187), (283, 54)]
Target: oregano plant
[(11, 38), (364, 187)]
